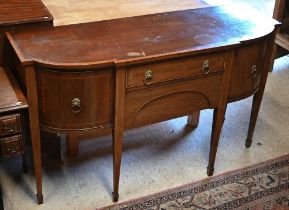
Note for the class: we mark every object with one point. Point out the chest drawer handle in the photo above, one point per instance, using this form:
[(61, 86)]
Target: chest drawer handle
[(206, 67), (148, 78), (10, 128), (12, 150), (76, 107)]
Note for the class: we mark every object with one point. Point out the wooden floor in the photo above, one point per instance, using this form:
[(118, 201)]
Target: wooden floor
[(78, 11)]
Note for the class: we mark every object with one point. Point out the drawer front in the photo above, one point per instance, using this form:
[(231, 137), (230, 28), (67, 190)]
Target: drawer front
[(247, 70), (152, 105), (174, 69), (11, 146), (80, 100), (10, 124)]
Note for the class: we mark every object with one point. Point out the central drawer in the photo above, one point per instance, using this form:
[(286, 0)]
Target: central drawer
[(75, 100), (156, 104), (174, 69)]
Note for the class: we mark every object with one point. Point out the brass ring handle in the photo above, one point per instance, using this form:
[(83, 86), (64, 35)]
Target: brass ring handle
[(148, 78), (76, 107), (253, 71), (206, 67)]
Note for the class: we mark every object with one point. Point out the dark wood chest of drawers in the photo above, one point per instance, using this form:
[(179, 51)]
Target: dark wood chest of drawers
[(12, 105)]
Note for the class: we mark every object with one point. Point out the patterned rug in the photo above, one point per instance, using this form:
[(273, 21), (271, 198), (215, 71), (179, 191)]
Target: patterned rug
[(262, 186)]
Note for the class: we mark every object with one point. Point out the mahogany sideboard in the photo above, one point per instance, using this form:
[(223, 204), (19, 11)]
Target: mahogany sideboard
[(130, 72)]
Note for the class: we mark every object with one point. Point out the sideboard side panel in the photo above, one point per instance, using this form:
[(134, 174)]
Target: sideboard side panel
[(247, 69)]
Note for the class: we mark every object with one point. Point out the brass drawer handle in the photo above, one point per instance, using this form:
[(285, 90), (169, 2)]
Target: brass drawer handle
[(13, 150), (253, 71), (76, 107), (148, 78), (206, 67), (10, 128)]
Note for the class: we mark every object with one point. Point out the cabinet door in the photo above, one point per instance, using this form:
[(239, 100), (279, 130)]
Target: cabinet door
[(246, 70), (75, 100)]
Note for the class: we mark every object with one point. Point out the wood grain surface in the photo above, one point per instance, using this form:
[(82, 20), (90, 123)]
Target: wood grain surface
[(10, 94), (23, 11), (130, 39)]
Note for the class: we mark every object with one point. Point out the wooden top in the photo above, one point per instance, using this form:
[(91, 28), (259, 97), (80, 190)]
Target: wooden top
[(22, 11), (11, 97), (127, 40)]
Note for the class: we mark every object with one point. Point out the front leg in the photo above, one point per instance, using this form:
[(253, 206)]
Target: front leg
[(267, 67), (118, 128), (117, 150), (219, 113), (218, 120), (253, 118), (34, 128)]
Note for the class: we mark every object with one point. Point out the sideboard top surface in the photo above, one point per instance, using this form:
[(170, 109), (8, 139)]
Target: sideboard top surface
[(23, 11), (135, 38)]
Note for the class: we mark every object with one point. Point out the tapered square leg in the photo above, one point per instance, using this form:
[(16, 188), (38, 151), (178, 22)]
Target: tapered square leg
[(118, 129), (258, 96), (218, 121), (34, 128), (193, 119), (117, 150)]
